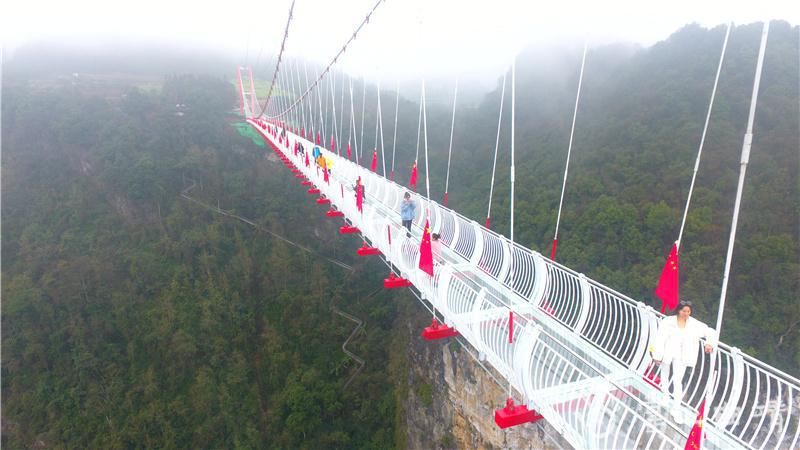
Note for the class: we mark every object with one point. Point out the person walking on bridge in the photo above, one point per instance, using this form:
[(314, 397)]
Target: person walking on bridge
[(676, 344), (407, 207)]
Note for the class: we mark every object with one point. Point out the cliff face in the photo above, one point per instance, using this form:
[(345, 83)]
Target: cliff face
[(451, 402)]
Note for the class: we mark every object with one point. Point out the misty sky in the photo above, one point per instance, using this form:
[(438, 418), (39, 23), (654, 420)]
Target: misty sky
[(445, 37)]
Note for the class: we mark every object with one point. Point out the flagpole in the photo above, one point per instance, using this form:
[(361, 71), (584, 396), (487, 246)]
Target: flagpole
[(511, 250), (745, 158), (427, 171)]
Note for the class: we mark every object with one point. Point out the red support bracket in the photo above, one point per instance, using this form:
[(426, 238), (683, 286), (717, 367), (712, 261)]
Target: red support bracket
[(513, 415), (366, 250), (299, 175), (334, 213), (313, 191), (394, 282), (348, 229), (306, 183), (438, 331), (323, 201)]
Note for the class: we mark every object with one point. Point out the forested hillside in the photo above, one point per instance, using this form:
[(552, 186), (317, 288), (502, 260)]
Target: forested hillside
[(135, 318), (637, 133)]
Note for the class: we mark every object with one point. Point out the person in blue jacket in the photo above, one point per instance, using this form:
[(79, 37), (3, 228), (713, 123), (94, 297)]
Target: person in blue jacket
[(407, 207), (316, 153)]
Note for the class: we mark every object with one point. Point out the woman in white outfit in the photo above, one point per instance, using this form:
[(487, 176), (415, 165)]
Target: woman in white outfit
[(675, 346)]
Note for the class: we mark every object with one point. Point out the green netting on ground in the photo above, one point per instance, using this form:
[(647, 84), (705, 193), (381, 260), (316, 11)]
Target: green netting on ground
[(248, 132)]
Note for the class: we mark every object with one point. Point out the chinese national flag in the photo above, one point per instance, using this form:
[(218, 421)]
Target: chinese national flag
[(667, 289), (308, 163), (425, 251), (359, 195), (413, 181), (325, 170), (374, 160), (695, 440), (348, 151)]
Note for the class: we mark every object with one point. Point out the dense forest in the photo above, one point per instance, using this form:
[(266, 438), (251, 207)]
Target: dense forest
[(134, 317)]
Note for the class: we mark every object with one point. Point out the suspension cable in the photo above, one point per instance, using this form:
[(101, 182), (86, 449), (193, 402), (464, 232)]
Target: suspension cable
[(312, 122), (341, 110), (394, 140), (351, 125), (450, 151), (335, 126), (353, 121), (363, 111), (748, 141), (335, 58), (419, 124), (569, 152), (321, 116), (496, 146), (511, 241), (425, 125), (380, 121), (327, 87), (427, 171), (278, 63), (703, 137)]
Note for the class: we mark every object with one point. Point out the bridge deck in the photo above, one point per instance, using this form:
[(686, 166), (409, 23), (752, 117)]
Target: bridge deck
[(579, 349)]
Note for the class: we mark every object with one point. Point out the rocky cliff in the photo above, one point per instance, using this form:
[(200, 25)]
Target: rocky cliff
[(451, 400)]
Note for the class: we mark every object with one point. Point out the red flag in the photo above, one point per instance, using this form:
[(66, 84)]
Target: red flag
[(359, 195), (333, 144), (308, 163), (318, 138), (325, 170), (413, 181), (425, 251), (695, 440), (374, 160), (667, 289), (296, 143), (511, 327), (348, 151)]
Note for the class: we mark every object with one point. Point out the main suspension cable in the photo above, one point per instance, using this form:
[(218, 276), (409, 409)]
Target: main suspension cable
[(278, 63)]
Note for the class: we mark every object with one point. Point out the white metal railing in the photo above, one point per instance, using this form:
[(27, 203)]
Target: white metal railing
[(575, 339)]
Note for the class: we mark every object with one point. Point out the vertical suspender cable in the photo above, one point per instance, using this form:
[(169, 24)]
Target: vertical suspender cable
[(745, 158), (380, 121), (377, 113), (394, 140), (569, 152), (450, 151), (496, 146), (353, 121), (427, 179), (328, 88), (291, 84), (748, 141), (341, 119), (335, 125), (511, 268), (321, 115), (363, 110), (425, 125), (302, 105), (703, 137), (419, 124), (312, 116)]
